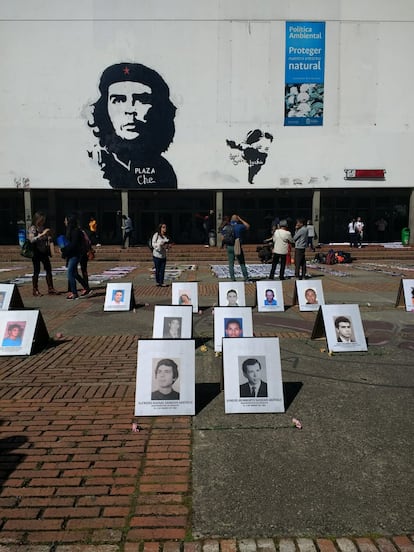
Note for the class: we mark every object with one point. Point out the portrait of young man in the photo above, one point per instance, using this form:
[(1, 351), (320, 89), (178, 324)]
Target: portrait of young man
[(133, 120), (311, 297), (172, 328), (166, 374), (117, 297), (232, 298), (343, 327), (254, 387), (233, 327), (14, 334)]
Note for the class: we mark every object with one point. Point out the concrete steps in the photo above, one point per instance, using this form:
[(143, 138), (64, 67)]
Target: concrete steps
[(195, 253)]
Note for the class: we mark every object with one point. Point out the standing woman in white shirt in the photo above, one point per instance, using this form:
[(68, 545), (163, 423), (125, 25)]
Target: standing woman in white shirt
[(359, 229), (160, 245)]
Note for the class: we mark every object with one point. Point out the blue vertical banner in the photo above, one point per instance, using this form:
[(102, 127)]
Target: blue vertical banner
[(304, 73)]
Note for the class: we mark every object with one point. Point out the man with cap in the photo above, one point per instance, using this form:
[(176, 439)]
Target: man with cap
[(281, 239), (134, 122)]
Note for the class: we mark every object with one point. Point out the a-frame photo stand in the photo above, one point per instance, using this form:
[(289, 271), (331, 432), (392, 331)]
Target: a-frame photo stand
[(405, 295), (10, 298), (22, 332)]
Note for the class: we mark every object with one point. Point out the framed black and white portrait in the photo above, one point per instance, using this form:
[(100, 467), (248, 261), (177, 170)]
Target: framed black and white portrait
[(231, 322), (185, 293), (310, 294), (232, 294), (165, 382), (343, 327), (269, 296), (118, 297), (172, 322), (252, 375)]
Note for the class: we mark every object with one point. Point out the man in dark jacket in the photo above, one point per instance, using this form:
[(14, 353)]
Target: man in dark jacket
[(255, 386)]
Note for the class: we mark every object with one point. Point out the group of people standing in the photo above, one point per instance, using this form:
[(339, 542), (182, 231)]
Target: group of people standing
[(74, 249), (356, 232), (282, 240)]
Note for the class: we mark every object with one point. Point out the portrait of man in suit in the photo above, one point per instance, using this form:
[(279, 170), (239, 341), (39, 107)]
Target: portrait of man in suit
[(254, 387), (344, 331)]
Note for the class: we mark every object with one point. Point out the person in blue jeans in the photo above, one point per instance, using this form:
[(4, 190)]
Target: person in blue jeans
[(72, 252), (235, 250), (128, 228), (160, 245)]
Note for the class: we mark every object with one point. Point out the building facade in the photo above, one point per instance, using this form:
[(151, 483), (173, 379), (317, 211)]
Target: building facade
[(169, 108)]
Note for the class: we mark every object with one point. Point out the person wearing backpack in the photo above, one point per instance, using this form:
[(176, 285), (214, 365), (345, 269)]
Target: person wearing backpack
[(232, 238), (72, 252)]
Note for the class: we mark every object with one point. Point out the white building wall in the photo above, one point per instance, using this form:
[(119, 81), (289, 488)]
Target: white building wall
[(224, 63)]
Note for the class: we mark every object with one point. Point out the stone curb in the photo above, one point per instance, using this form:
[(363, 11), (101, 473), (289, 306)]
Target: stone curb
[(398, 543)]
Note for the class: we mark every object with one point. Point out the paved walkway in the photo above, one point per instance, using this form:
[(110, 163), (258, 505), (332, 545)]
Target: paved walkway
[(74, 477)]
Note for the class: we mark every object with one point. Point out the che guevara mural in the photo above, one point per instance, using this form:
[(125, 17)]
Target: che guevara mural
[(133, 122)]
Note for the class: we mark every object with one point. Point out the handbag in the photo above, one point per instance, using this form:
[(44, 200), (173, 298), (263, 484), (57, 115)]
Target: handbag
[(27, 250)]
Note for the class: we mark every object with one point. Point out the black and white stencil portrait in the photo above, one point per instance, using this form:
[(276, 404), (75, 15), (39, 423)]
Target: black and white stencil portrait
[(133, 120)]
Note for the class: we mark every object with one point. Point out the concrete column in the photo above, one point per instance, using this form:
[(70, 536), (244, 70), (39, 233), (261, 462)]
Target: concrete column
[(411, 217), (316, 208), (27, 208), (219, 215), (51, 208), (124, 202)]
